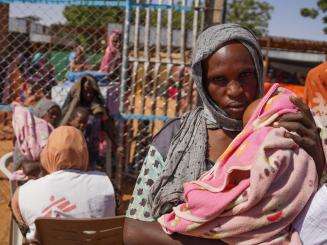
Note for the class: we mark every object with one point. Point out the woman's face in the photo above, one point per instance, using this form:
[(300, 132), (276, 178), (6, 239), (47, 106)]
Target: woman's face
[(230, 79), (88, 92), (116, 41), (53, 115)]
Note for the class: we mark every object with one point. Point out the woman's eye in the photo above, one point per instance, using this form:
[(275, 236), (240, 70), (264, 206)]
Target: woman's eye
[(220, 80), (248, 74)]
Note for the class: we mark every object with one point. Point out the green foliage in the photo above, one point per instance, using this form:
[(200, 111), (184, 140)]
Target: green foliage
[(100, 16), (315, 12), (312, 13), (92, 16), (253, 14)]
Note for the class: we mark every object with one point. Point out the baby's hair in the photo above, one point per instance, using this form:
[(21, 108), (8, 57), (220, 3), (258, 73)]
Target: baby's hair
[(79, 110)]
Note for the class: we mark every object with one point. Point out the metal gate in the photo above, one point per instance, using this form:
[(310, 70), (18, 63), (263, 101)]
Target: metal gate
[(156, 83)]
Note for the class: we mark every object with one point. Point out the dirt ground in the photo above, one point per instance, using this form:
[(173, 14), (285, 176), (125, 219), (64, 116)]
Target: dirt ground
[(5, 213)]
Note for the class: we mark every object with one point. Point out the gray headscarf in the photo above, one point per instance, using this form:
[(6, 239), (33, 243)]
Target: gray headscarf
[(186, 158), (43, 106)]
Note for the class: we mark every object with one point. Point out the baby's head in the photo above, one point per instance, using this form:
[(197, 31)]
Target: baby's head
[(249, 111), (274, 107), (79, 118), (31, 169)]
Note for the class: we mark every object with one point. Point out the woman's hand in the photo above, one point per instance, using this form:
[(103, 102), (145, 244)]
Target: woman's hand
[(308, 136)]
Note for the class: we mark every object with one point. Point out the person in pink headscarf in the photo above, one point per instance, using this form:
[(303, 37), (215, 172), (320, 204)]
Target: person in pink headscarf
[(111, 63), (112, 58)]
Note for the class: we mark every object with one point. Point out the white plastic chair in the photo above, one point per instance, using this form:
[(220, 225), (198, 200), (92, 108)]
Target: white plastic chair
[(16, 237)]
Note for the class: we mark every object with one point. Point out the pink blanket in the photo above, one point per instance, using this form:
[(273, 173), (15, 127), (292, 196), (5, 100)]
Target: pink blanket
[(31, 132), (257, 187)]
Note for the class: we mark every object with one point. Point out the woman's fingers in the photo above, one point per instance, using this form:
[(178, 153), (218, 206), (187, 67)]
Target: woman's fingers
[(305, 142), (296, 117), (302, 107), (296, 127)]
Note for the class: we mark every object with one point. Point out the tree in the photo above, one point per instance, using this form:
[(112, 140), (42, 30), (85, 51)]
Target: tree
[(253, 14), (85, 16), (100, 16), (315, 12)]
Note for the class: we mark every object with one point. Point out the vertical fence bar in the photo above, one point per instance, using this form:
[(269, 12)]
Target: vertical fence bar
[(124, 76), (124, 71), (169, 53), (181, 69), (194, 36), (146, 55), (157, 65), (135, 51), (130, 127)]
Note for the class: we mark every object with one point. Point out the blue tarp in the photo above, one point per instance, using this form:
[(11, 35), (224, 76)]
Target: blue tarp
[(109, 3)]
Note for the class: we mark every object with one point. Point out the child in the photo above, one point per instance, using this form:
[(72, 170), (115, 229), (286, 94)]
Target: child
[(257, 187), (79, 118)]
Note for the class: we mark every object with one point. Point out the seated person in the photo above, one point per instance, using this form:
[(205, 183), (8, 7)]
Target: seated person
[(77, 60), (241, 198), (79, 118), (67, 189)]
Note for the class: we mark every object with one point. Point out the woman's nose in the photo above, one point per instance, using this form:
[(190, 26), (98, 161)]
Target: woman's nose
[(234, 89)]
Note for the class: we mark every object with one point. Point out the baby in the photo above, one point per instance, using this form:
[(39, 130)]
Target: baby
[(257, 187), (79, 118)]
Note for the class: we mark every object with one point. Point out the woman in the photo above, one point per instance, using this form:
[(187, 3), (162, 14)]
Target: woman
[(316, 93), (111, 61), (86, 93), (14, 83), (77, 60), (42, 74), (67, 190), (45, 109), (111, 64), (228, 72)]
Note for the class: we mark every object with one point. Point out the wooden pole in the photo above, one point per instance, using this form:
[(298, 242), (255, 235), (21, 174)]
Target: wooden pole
[(215, 12)]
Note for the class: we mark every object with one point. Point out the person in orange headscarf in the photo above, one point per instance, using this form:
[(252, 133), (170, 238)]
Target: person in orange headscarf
[(67, 190), (315, 94)]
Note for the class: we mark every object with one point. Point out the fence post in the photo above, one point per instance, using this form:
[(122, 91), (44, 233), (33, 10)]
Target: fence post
[(124, 71), (215, 12), (124, 79)]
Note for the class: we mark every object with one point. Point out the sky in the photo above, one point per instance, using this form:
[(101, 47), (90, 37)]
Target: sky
[(286, 20)]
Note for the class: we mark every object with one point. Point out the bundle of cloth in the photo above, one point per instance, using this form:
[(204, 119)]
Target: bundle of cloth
[(31, 132), (257, 187)]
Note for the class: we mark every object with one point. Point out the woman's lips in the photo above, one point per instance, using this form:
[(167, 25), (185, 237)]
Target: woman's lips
[(236, 107)]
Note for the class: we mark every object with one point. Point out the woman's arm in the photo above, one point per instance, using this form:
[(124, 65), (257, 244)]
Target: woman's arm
[(140, 232), (15, 208), (308, 133)]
